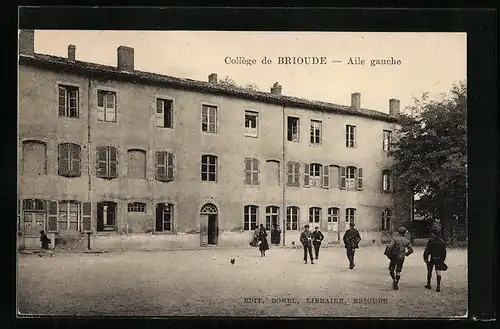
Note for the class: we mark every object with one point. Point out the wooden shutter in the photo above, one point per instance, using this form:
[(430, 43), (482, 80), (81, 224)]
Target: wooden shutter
[(64, 158), (248, 171), (342, 177), (52, 215), (170, 166), (102, 161), (326, 176), (75, 160), (360, 178), (87, 217), (100, 105), (255, 172), (161, 168), (290, 174), (307, 174), (113, 162), (62, 101), (110, 107)]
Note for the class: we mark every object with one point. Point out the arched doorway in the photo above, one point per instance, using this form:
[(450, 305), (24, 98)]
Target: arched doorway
[(209, 225)]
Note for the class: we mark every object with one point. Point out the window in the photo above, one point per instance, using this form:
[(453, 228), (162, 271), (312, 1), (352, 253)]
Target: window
[(350, 136), (251, 171), (164, 166), (315, 132), (136, 167), (293, 129), (34, 205), (251, 123), (387, 140), (386, 220), (106, 216), (69, 160), (386, 181), (350, 216), (250, 218), (209, 168), (136, 207), (293, 174), (351, 178), (292, 218), (316, 175), (333, 219), (68, 101), (34, 158), (107, 162), (272, 217), (164, 113), (273, 172), (315, 215), (33, 218), (164, 217), (106, 106), (69, 216), (209, 119)]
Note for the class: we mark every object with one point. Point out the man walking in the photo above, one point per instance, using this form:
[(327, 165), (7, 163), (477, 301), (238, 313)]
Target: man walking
[(351, 241), (396, 252), (317, 238), (436, 249), (306, 239)]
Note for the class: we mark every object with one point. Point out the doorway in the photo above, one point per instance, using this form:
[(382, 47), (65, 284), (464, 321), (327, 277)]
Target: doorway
[(209, 225), (106, 216)]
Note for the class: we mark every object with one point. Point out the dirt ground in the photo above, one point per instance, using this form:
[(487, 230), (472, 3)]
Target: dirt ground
[(176, 283)]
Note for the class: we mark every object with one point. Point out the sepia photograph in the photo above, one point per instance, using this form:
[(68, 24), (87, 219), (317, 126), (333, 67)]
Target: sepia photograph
[(242, 173)]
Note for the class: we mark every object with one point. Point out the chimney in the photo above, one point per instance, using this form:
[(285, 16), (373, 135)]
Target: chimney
[(394, 107), (276, 89), (125, 58), (356, 101), (27, 42), (71, 52), (212, 78)]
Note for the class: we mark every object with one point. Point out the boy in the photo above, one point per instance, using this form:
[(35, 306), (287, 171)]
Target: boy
[(436, 249), (317, 238), (396, 252), (45, 241), (306, 239), (351, 241)]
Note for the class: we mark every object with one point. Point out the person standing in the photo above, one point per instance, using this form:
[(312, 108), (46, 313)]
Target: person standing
[(306, 240), (436, 251), (277, 234), (255, 237), (396, 251), (263, 245), (436, 226), (317, 238), (351, 242), (45, 242)]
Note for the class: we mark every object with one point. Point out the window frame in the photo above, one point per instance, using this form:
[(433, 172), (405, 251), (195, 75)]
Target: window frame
[(71, 160), (297, 139), (250, 210), (249, 131), (387, 181), (253, 172), (79, 210), (208, 164), (168, 164), (316, 180), (104, 109), (350, 136), (137, 207), (350, 212), (314, 131), (387, 216), (386, 142), (292, 218), (109, 173), (164, 99), (315, 214), (23, 156), (293, 170), (145, 153), (271, 211), (171, 215), (67, 106), (216, 123)]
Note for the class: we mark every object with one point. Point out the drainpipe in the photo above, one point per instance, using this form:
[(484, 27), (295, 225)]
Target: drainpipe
[(89, 152), (284, 177)]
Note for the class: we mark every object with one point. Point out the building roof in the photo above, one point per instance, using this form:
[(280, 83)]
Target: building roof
[(87, 68)]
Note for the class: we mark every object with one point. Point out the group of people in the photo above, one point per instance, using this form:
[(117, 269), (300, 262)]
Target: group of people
[(398, 249)]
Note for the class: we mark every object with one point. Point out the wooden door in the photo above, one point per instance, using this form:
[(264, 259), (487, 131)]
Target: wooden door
[(203, 230)]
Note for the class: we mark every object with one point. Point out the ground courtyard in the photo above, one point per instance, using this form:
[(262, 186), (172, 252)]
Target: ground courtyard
[(205, 283)]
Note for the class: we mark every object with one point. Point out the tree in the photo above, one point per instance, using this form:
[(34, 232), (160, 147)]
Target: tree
[(228, 81), (430, 153)]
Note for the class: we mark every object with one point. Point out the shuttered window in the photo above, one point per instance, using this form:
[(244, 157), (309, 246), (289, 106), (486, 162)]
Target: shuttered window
[(86, 217), (107, 162), (293, 174), (68, 101), (69, 160), (164, 166), (251, 171), (326, 176)]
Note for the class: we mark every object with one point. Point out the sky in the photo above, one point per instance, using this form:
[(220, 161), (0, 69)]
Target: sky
[(429, 62)]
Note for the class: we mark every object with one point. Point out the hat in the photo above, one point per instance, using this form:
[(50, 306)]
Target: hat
[(351, 224), (316, 227), (402, 230), (307, 226)]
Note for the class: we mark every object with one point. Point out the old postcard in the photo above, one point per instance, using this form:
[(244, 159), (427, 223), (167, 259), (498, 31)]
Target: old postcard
[(226, 173)]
